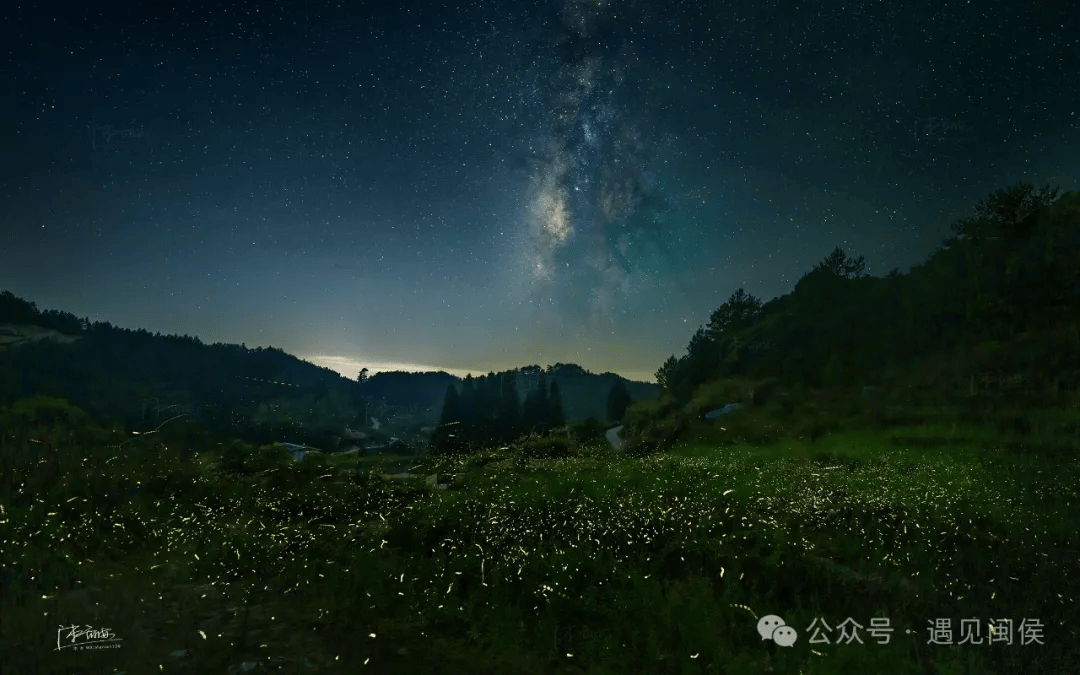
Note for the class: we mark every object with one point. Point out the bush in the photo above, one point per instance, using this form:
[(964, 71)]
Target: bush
[(188, 434), (747, 425), (324, 438), (765, 392), (1014, 422), (50, 447), (719, 393), (815, 426), (49, 421), (238, 457), (646, 412), (587, 430), (659, 436), (292, 476), (550, 447), (311, 465), (469, 462)]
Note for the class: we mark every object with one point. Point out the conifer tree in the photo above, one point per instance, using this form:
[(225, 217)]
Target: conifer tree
[(556, 416), (543, 421), (468, 409), (492, 396), (663, 375), (487, 409), (509, 417), (617, 401), (530, 413), (534, 412), (840, 264), (448, 435)]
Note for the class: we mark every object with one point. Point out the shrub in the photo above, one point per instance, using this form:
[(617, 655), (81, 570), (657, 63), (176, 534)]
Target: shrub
[(1014, 422), (642, 447), (586, 430), (238, 457), (464, 461), (186, 433), (550, 447), (49, 421), (658, 436), (310, 466), (719, 393), (54, 448), (645, 412), (815, 426), (765, 392), (747, 425)]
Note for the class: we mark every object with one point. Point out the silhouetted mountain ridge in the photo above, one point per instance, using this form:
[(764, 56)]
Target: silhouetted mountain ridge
[(990, 321), (584, 393), (137, 378)]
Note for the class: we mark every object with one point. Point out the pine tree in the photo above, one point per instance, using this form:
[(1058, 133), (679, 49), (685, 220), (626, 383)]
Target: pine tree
[(492, 395), (542, 403), (664, 373), (740, 310), (841, 265), (529, 413), (617, 401), (556, 416), (448, 436), (1007, 212), (468, 409), (535, 411), (487, 409), (509, 416)]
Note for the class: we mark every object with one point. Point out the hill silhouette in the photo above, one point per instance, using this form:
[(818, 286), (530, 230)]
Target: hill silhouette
[(137, 379), (990, 321), (583, 392)]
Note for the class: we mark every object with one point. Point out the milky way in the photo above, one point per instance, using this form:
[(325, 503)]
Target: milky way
[(481, 185), (583, 246)]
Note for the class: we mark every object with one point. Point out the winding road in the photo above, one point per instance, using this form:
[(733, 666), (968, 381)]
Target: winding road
[(612, 437)]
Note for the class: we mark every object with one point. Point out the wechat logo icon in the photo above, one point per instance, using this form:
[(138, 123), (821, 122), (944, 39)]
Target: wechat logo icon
[(772, 627)]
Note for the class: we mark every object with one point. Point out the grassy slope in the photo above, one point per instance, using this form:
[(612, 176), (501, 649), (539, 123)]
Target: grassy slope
[(592, 563)]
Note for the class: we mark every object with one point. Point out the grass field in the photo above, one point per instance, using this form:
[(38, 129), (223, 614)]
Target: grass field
[(594, 563)]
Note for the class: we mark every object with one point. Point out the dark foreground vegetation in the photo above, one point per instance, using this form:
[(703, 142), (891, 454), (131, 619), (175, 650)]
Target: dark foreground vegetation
[(549, 556), (933, 478)]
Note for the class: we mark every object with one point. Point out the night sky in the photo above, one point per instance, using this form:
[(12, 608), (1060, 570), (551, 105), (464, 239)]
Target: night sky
[(485, 185)]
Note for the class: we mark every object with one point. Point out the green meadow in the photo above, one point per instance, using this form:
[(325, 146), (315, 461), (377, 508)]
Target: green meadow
[(554, 555)]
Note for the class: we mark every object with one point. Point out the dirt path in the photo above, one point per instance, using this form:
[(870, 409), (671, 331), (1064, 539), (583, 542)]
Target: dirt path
[(612, 437)]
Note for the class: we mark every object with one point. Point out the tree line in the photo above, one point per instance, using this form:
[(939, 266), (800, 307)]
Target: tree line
[(14, 309), (117, 374), (488, 411), (1002, 294)]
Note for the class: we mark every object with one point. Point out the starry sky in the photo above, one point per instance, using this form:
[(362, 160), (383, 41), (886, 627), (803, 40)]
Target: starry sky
[(484, 185)]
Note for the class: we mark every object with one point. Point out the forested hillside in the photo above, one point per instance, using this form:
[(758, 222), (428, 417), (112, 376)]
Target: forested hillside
[(993, 314), (583, 392), (138, 379)]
